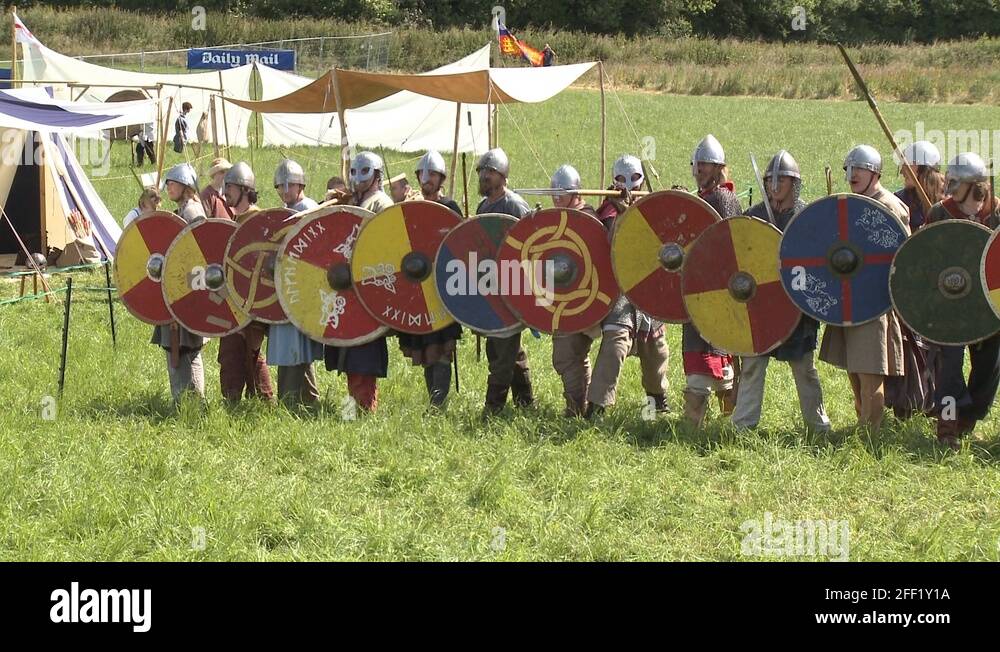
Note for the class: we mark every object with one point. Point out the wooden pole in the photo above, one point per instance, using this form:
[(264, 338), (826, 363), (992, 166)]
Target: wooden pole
[(111, 302), (454, 151), (163, 142), (907, 168), (225, 121), (215, 126), (342, 119), (13, 48), (604, 126)]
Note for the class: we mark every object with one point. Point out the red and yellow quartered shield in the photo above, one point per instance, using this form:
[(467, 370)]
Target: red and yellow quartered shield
[(194, 283), (138, 265), (650, 242), (393, 266), (732, 288)]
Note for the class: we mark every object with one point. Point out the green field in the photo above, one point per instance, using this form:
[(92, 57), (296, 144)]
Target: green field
[(118, 474)]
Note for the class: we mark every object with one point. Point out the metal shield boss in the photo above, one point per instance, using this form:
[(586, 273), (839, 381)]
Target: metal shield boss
[(732, 289), (251, 260), (464, 264), (835, 259), (313, 278), (138, 265), (555, 271), (393, 266), (648, 249), (194, 281), (936, 287)]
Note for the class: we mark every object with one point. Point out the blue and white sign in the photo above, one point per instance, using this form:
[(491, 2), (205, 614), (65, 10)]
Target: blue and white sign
[(212, 59)]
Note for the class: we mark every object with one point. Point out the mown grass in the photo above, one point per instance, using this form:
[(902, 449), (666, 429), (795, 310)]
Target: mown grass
[(119, 474), (948, 72)]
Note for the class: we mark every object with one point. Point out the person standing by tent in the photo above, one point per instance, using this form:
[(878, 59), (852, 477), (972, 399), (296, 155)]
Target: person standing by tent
[(211, 194), (707, 369), (366, 363), (240, 362), (627, 330), (508, 361), (287, 347), (182, 133), (782, 185), (436, 350), (145, 144), (969, 199), (189, 373), (873, 351), (149, 201)]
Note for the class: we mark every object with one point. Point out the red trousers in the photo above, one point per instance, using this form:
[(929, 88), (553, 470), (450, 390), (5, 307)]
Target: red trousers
[(242, 366), (364, 391)]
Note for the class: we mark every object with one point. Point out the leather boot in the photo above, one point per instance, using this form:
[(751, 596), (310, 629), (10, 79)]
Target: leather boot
[(660, 403), (727, 402), (496, 399), (520, 385), (593, 410), (440, 383), (695, 407)]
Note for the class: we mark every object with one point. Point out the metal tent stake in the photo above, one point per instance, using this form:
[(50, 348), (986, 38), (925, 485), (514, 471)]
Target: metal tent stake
[(65, 334)]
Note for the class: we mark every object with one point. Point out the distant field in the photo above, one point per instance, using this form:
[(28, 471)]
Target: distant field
[(119, 475)]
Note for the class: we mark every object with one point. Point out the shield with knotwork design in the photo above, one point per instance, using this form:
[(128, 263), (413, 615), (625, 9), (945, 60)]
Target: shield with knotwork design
[(936, 287), (313, 277), (732, 290), (139, 265), (835, 259), (465, 263), (555, 271), (251, 257), (194, 283), (393, 266), (650, 241)]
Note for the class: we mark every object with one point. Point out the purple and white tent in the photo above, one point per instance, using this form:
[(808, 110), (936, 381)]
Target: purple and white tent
[(44, 189)]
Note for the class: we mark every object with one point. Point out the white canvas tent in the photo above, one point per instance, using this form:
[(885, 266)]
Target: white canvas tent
[(73, 79), (404, 121), (44, 190)]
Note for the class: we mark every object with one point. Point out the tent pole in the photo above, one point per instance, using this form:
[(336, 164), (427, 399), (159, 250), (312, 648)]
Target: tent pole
[(111, 303), (225, 121), (163, 142), (342, 119), (65, 335), (13, 48), (454, 151), (489, 125), (604, 125), (215, 126)]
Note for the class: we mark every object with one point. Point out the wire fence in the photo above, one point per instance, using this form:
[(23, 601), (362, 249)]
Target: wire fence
[(313, 55)]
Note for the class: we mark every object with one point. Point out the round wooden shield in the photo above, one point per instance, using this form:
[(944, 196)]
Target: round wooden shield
[(555, 271), (835, 259), (650, 242), (465, 262), (393, 266), (251, 260), (313, 278), (732, 289), (138, 265), (936, 286), (194, 283)]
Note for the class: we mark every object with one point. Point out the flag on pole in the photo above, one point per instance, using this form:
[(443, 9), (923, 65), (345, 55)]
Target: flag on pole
[(513, 47), (22, 34)]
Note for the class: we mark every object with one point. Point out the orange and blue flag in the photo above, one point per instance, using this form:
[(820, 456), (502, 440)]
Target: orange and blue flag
[(514, 47)]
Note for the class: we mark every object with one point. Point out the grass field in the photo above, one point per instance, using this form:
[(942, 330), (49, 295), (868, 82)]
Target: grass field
[(118, 474)]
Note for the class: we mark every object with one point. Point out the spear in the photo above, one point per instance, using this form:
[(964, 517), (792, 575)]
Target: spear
[(925, 201)]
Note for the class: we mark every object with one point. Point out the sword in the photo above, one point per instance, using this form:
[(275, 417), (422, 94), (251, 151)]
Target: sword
[(763, 191)]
